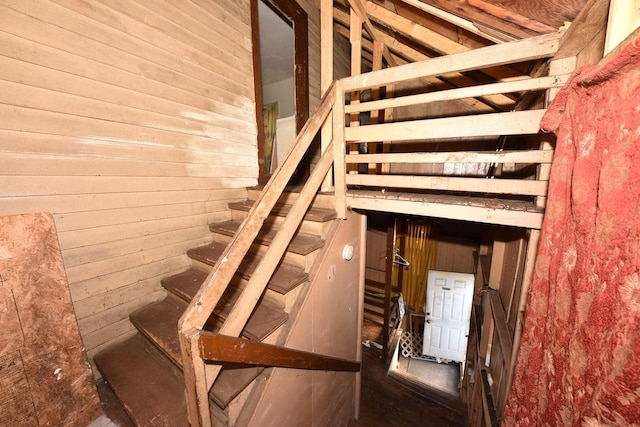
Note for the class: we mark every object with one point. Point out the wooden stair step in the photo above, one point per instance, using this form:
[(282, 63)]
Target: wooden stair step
[(281, 209), (374, 300), (302, 243), (159, 323), (324, 200), (285, 278), (374, 285), (265, 319), (151, 391)]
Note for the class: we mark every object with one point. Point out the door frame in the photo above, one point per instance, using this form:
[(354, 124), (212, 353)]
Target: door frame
[(292, 12)]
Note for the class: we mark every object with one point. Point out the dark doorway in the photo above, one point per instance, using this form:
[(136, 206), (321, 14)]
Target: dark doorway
[(296, 18)]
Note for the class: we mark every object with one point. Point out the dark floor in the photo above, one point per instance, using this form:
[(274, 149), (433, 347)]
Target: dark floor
[(384, 402)]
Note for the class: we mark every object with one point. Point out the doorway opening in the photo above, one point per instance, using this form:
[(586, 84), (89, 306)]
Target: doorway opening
[(402, 252), (280, 56)]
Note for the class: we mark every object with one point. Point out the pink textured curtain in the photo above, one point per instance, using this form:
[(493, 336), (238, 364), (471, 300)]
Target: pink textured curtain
[(579, 362)]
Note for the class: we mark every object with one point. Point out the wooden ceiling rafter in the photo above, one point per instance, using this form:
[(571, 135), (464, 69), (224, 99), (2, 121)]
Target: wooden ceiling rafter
[(481, 13), (494, 36), (399, 27), (426, 37), (387, 40), (431, 39)]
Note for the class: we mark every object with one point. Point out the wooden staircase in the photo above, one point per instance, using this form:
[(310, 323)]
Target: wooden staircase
[(286, 288), (145, 372)]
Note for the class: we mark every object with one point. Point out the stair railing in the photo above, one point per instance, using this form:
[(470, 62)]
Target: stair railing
[(199, 346)]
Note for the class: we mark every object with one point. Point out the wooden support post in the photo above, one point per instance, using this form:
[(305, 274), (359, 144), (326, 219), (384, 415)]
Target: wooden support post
[(376, 115), (356, 69), (362, 268), (523, 50), (557, 67), (326, 77), (339, 147), (388, 279)]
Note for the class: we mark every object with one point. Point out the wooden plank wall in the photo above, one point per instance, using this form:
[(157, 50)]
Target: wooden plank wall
[(133, 123)]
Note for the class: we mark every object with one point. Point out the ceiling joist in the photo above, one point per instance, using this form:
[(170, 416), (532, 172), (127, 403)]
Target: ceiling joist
[(494, 36)]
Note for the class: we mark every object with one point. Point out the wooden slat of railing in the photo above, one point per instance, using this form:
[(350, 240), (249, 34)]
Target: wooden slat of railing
[(221, 348), (539, 83), (511, 123), (520, 156), (524, 187), (508, 53)]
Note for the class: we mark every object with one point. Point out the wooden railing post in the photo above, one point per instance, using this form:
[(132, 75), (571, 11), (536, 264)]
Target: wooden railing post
[(339, 152), (196, 390)]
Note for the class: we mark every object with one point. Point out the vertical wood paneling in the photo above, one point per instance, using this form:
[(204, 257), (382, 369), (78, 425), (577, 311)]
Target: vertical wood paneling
[(133, 122), (312, 7)]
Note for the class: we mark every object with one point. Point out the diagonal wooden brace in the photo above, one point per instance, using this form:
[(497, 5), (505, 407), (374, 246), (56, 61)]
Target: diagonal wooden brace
[(222, 348)]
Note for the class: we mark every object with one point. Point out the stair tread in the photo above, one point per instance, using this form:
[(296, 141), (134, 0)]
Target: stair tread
[(159, 323), (151, 393), (302, 243), (281, 209), (285, 278), (266, 318)]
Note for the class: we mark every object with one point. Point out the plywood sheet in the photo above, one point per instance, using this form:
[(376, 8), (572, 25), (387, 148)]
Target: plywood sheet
[(45, 378)]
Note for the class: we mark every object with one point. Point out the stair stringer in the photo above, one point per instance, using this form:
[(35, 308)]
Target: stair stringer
[(326, 319)]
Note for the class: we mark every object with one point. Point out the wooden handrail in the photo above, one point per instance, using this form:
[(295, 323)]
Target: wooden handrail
[(540, 83), (507, 53), (222, 348)]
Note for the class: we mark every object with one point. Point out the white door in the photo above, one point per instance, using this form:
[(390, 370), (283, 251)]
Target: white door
[(447, 314)]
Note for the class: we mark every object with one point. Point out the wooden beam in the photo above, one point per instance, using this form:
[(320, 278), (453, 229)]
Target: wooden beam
[(524, 156), (460, 93), (505, 22), (340, 149), (359, 8), (355, 37), (511, 123), (591, 21), (421, 205), (490, 414), (501, 326), (494, 36), (433, 40), (506, 53), (525, 187), (222, 348), (403, 53)]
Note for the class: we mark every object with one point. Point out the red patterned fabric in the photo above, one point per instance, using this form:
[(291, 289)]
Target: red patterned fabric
[(579, 363)]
